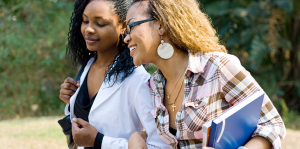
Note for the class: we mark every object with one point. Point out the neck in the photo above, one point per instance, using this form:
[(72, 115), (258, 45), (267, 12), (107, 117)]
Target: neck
[(173, 68), (105, 58)]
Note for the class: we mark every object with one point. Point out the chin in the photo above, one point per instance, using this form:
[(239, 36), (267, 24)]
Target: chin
[(92, 49), (137, 62)]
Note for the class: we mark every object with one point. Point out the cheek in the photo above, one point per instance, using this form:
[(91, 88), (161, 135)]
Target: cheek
[(109, 34), (82, 29), (150, 45)]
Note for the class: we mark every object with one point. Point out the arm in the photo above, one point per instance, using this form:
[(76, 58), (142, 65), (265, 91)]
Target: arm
[(254, 143), (237, 84), (138, 140), (143, 105)]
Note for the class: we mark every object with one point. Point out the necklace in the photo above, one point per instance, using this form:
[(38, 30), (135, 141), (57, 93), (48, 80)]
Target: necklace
[(173, 103), (168, 95)]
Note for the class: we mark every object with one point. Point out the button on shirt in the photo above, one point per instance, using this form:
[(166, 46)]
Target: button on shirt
[(214, 82)]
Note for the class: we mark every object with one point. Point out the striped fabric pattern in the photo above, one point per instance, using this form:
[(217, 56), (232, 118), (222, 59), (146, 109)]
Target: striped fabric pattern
[(214, 82)]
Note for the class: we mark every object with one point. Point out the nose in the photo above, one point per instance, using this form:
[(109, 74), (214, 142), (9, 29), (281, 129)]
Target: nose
[(89, 30), (127, 38)]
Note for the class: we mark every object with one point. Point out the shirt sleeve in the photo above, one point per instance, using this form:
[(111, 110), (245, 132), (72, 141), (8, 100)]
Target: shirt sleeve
[(67, 109), (98, 141), (237, 84), (143, 105)]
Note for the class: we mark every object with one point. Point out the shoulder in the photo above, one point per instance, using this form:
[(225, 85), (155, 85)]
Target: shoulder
[(222, 60), (138, 77), (139, 73), (229, 68)]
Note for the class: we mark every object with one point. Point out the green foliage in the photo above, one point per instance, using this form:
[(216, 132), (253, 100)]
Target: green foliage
[(32, 56), (264, 34)]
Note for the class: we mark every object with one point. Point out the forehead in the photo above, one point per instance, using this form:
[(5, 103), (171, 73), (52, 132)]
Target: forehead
[(138, 10), (99, 8)]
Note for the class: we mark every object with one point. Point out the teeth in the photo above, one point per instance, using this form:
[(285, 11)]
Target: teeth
[(132, 48)]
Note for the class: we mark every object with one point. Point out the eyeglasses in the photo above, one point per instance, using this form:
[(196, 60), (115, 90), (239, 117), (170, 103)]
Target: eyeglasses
[(131, 25)]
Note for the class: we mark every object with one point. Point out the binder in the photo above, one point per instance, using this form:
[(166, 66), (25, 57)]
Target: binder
[(235, 126)]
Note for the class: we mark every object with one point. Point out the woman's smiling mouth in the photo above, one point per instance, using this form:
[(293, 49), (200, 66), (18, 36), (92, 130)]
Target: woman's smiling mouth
[(91, 40)]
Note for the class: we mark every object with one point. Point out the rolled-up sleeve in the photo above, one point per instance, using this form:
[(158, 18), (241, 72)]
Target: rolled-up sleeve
[(237, 84)]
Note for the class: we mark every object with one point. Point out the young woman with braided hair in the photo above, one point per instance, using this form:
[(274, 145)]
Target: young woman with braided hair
[(197, 80), (112, 99)]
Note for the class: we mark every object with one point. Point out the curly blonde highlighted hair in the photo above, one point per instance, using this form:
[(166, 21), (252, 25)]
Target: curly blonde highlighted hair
[(187, 26)]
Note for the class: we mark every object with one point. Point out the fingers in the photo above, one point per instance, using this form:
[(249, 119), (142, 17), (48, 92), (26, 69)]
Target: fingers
[(65, 98), (72, 81), (75, 127), (65, 95), (69, 86), (79, 121), (66, 92)]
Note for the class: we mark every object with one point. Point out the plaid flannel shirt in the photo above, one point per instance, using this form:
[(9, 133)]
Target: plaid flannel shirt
[(214, 82)]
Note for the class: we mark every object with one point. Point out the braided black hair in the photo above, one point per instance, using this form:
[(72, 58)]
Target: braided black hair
[(122, 66)]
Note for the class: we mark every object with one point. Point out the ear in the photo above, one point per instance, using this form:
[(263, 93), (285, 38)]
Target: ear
[(123, 27), (161, 30), (158, 27)]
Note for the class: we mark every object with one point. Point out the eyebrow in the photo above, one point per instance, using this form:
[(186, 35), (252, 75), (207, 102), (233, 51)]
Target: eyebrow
[(95, 17)]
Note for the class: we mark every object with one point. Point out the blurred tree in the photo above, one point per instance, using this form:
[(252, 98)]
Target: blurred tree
[(32, 56), (264, 34)]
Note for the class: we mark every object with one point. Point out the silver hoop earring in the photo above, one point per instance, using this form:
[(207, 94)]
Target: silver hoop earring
[(165, 50)]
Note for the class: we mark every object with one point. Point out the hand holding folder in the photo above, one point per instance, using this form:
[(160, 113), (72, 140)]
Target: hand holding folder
[(234, 127)]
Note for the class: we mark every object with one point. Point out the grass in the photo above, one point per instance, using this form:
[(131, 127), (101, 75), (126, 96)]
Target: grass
[(45, 133), (34, 133)]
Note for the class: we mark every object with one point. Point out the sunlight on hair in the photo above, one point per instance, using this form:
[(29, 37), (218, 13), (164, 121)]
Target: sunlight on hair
[(187, 26)]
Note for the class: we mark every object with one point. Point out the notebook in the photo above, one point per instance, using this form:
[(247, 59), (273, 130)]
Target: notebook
[(206, 130), (235, 126)]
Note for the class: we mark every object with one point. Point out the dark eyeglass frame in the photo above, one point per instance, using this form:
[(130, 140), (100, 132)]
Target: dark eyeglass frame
[(129, 26)]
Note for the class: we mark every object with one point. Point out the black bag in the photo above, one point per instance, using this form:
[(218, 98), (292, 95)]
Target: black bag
[(66, 124)]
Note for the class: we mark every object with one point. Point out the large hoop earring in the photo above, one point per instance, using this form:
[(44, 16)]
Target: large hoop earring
[(165, 50)]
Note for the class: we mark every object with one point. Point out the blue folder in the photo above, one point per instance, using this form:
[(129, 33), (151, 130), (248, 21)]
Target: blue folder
[(234, 127)]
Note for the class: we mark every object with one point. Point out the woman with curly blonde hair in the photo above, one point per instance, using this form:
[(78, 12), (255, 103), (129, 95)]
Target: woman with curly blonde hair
[(197, 80)]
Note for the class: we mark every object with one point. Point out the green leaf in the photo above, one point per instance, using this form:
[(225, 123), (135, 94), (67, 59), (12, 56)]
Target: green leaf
[(233, 40), (247, 35), (286, 5), (240, 12), (224, 29), (257, 53), (220, 8), (255, 9), (284, 43)]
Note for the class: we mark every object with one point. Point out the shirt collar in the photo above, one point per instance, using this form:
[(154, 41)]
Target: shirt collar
[(197, 62)]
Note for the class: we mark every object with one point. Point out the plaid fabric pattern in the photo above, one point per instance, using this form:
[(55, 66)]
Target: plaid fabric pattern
[(214, 82)]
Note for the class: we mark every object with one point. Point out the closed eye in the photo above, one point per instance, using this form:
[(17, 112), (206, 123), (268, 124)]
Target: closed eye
[(101, 25)]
